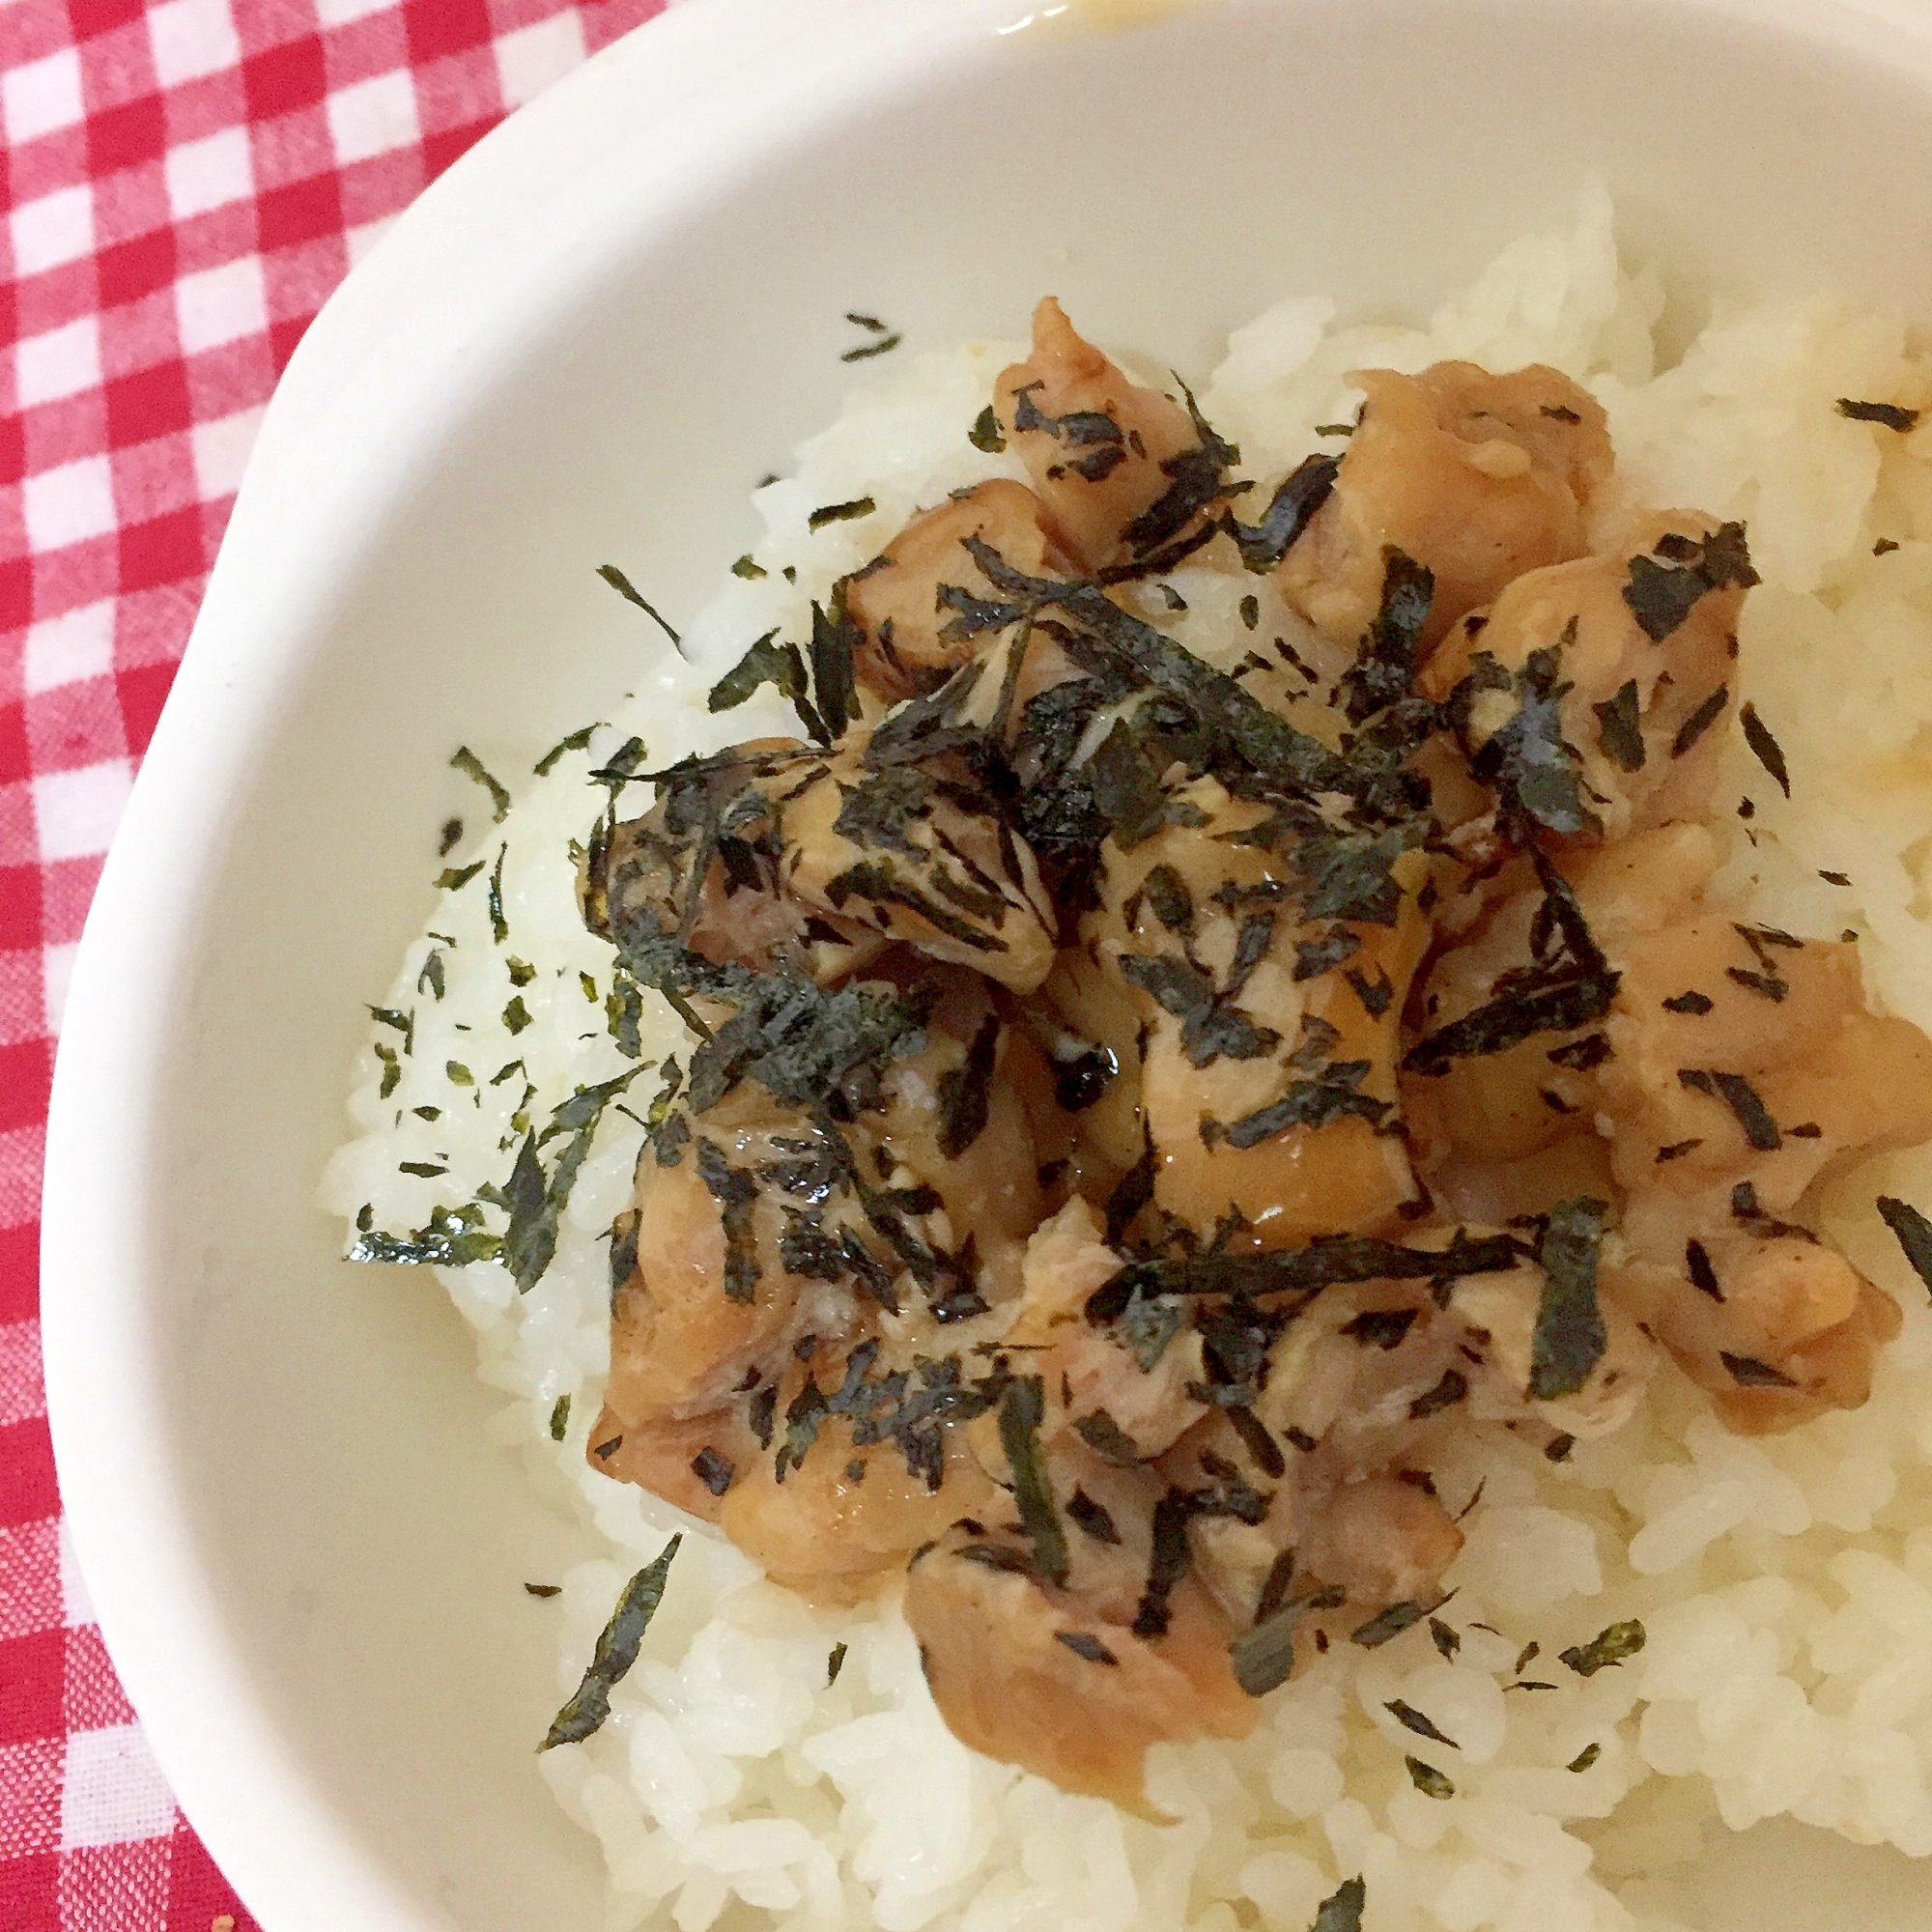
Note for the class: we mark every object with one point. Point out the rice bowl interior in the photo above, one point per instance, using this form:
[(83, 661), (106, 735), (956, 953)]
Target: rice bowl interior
[(230, 1006), (733, 1775)]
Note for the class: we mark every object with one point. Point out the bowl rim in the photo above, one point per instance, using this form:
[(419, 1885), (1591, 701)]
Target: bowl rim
[(695, 95)]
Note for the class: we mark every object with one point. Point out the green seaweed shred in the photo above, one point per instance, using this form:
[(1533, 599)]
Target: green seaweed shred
[(589, 1704), (577, 741), (1913, 1230), (1022, 1410), (631, 594), (455, 1238), (466, 761), (1612, 1645), (1342, 1909), (1570, 1337)]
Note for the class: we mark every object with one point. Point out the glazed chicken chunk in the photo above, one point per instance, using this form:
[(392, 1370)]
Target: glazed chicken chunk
[(1476, 477), (1104, 453), (1145, 1115)]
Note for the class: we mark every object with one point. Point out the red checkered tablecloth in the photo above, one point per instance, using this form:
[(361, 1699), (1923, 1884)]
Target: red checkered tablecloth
[(185, 183)]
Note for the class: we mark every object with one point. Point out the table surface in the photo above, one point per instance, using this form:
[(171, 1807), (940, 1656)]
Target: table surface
[(185, 182)]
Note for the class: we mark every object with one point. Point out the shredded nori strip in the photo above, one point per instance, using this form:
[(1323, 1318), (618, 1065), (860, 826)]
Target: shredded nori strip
[(1274, 1587), (985, 434), (1765, 747), (1699, 722), (1384, 666), (1427, 1780), (1697, 1265), (1195, 481), (1660, 596), (455, 1238), (1381, 1327), (782, 666), (1446, 1394), (1610, 1646), (761, 1414), (1692, 1002), (1250, 733), (1263, 1657), (1585, 1758), (1256, 1440), (839, 513), (737, 1192), (1146, 1325), (1326, 1262), (1569, 984), (835, 637), (1314, 957), (1913, 1233), (1742, 1098), (1083, 1644), (615, 1652), (1411, 1719), (1297, 498), (965, 1091), (1168, 1561), (714, 1470), (1131, 1193), (1022, 1410), (629, 593), (1334, 1093), (1747, 1372), (1375, 996), (1166, 893), (1581, 1056), (1092, 1518), (535, 1203), (876, 882), (1388, 1623), (1620, 728), (833, 1664), (466, 761), (1570, 1337), (1342, 1909), (1528, 762), (1887, 416), (1510, 1020), (1211, 1027), (1107, 1439), (499, 927)]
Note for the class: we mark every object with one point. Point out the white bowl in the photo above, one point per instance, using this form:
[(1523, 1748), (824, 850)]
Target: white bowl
[(587, 341)]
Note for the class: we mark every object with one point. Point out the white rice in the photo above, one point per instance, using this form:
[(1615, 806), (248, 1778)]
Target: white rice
[(1785, 1583)]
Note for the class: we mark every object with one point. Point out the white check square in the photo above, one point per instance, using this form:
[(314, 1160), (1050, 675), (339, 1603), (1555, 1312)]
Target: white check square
[(190, 39), (56, 229), (209, 173), (69, 504), (114, 1791), (374, 117), (62, 362), (223, 304), (41, 97)]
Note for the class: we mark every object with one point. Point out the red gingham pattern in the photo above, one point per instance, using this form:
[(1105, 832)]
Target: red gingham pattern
[(184, 181)]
